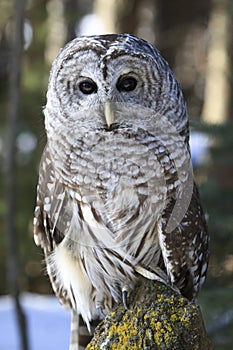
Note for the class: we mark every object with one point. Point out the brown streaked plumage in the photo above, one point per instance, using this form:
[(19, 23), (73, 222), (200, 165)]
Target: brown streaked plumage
[(116, 196)]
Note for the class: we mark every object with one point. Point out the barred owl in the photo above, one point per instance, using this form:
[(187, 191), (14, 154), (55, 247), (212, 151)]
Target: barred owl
[(116, 197)]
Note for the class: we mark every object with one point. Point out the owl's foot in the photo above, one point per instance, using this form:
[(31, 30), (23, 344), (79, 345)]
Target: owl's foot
[(99, 304), (100, 312), (125, 298)]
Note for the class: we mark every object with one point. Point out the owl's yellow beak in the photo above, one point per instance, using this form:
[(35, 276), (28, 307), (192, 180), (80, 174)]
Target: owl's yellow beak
[(108, 112)]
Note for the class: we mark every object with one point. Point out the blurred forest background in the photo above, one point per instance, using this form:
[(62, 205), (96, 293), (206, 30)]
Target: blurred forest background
[(196, 39)]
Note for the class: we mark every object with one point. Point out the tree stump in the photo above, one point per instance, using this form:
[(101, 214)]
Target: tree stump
[(157, 318)]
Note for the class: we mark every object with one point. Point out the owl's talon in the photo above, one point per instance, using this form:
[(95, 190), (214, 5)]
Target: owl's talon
[(100, 312), (124, 298)]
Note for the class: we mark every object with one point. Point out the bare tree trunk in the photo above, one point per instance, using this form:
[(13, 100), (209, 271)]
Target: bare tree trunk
[(57, 31), (147, 20), (217, 91), (118, 16), (71, 11), (10, 168)]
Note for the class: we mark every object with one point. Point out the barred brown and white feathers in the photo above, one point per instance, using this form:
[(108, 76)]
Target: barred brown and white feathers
[(116, 196)]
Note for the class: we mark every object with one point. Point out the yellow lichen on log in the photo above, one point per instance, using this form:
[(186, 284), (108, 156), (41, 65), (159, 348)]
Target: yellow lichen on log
[(158, 318)]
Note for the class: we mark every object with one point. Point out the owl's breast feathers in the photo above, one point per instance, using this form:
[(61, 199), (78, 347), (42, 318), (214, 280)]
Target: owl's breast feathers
[(101, 212)]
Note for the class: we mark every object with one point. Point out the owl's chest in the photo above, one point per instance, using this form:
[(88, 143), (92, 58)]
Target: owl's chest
[(112, 159)]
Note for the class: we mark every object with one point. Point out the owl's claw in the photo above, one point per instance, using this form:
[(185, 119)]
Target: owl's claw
[(100, 312), (124, 298)]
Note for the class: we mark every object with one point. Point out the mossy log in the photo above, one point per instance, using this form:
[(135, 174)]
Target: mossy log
[(157, 318)]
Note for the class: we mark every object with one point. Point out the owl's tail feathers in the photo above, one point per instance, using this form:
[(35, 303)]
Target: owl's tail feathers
[(79, 334)]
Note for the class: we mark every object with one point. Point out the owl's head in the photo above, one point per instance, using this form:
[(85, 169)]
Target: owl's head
[(93, 75)]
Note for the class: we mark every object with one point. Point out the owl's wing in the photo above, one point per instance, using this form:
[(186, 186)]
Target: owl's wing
[(51, 216), (52, 220), (49, 203), (185, 249)]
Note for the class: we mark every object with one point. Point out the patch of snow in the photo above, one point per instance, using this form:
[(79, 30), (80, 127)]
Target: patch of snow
[(199, 144), (48, 323)]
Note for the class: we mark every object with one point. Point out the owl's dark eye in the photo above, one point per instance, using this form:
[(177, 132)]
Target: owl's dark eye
[(88, 87), (126, 83)]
